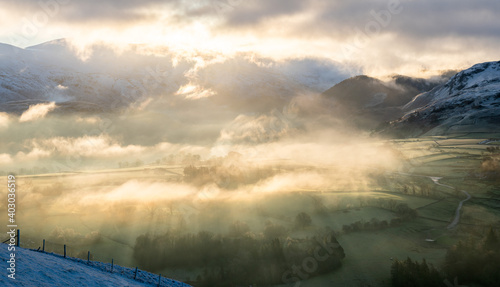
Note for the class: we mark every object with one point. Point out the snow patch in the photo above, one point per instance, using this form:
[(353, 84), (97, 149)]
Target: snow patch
[(49, 269)]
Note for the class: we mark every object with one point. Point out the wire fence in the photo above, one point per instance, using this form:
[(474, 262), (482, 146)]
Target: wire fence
[(82, 254)]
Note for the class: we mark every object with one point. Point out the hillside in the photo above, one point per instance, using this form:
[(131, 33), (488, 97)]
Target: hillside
[(102, 79), (468, 102), (40, 269), (368, 101)]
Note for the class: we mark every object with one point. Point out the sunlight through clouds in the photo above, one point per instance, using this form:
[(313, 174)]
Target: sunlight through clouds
[(278, 29)]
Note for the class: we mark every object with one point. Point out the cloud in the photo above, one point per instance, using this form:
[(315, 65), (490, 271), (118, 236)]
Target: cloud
[(90, 11), (257, 129), (36, 112), (33, 155), (5, 158), (149, 192), (86, 146), (318, 73), (78, 152), (422, 35), (4, 120), (419, 33), (194, 92), (425, 18)]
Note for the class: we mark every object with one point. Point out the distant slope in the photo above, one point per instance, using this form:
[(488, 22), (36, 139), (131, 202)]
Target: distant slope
[(102, 79), (39, 269), (368, 101), (53, 72), (468, 102)]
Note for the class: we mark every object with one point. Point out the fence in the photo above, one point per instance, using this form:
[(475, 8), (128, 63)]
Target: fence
[(87, 257)]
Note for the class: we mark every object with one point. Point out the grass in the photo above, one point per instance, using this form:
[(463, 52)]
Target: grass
[(368, 253), (368, 256)]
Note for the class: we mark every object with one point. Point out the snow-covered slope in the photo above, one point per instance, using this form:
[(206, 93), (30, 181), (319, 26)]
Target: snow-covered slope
[(368, 101), (101, 78), (53, 72), (468, 102), (40, 269)]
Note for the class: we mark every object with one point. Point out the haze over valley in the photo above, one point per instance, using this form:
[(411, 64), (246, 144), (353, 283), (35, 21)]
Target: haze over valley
[(238, 143)]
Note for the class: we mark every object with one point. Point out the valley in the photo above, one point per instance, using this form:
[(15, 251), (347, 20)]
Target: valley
[(365, 221)]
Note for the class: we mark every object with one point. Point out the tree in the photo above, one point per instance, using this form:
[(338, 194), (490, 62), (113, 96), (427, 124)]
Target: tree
[(411, 273), (491, 241), (303, 220), (238, 229), (272, 231), (475, 262), (346, 228)]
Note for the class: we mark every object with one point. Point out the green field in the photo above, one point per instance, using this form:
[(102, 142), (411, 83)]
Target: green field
[(87, 210)]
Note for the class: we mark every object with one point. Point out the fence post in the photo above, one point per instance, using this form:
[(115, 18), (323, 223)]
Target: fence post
[(18, 238), (88, 257), (135, 275), (159, 280), (43, 249), (64, 250), (112, 263)]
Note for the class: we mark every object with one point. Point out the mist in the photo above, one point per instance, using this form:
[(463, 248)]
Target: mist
[(252, 143), (251, 177), (217, 157)]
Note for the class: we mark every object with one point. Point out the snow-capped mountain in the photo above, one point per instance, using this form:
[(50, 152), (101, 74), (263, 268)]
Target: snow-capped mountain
[(104, 78), (468, 102), (368, 102), (54, 72)]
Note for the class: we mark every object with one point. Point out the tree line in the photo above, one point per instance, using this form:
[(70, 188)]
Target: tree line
[(403, 213), (237, 258), (469, 262)]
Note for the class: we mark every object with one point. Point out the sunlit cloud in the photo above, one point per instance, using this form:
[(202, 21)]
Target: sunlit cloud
[(86, 146), (5, 158), (253, 130), (4, 120), (194, 92), (33, 155), (149, 192), (36, 112), (353, 32), (91, 120)]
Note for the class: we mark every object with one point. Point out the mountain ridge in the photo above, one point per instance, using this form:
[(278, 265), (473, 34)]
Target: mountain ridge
[(369, 101), (469, 101), (51, 71), (401, 106)]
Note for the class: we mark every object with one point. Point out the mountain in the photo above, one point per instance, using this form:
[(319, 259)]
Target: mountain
[(468, 102), (54, 72), (102, 78), (368, 102), (222, 88)]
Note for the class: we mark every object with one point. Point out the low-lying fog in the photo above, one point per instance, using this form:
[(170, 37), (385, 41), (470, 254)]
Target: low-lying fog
[(168, 168)]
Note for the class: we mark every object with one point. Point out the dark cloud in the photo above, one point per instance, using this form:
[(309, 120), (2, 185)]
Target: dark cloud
[(252, 12), (114, 11), (444, 18), (377, 37), (422, 19), (418, 18)]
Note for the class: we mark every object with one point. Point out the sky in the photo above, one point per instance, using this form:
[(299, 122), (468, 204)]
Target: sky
[(383, 37)]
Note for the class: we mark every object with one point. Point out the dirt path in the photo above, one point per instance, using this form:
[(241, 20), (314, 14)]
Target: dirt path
[(456, 220), (434, 179)]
